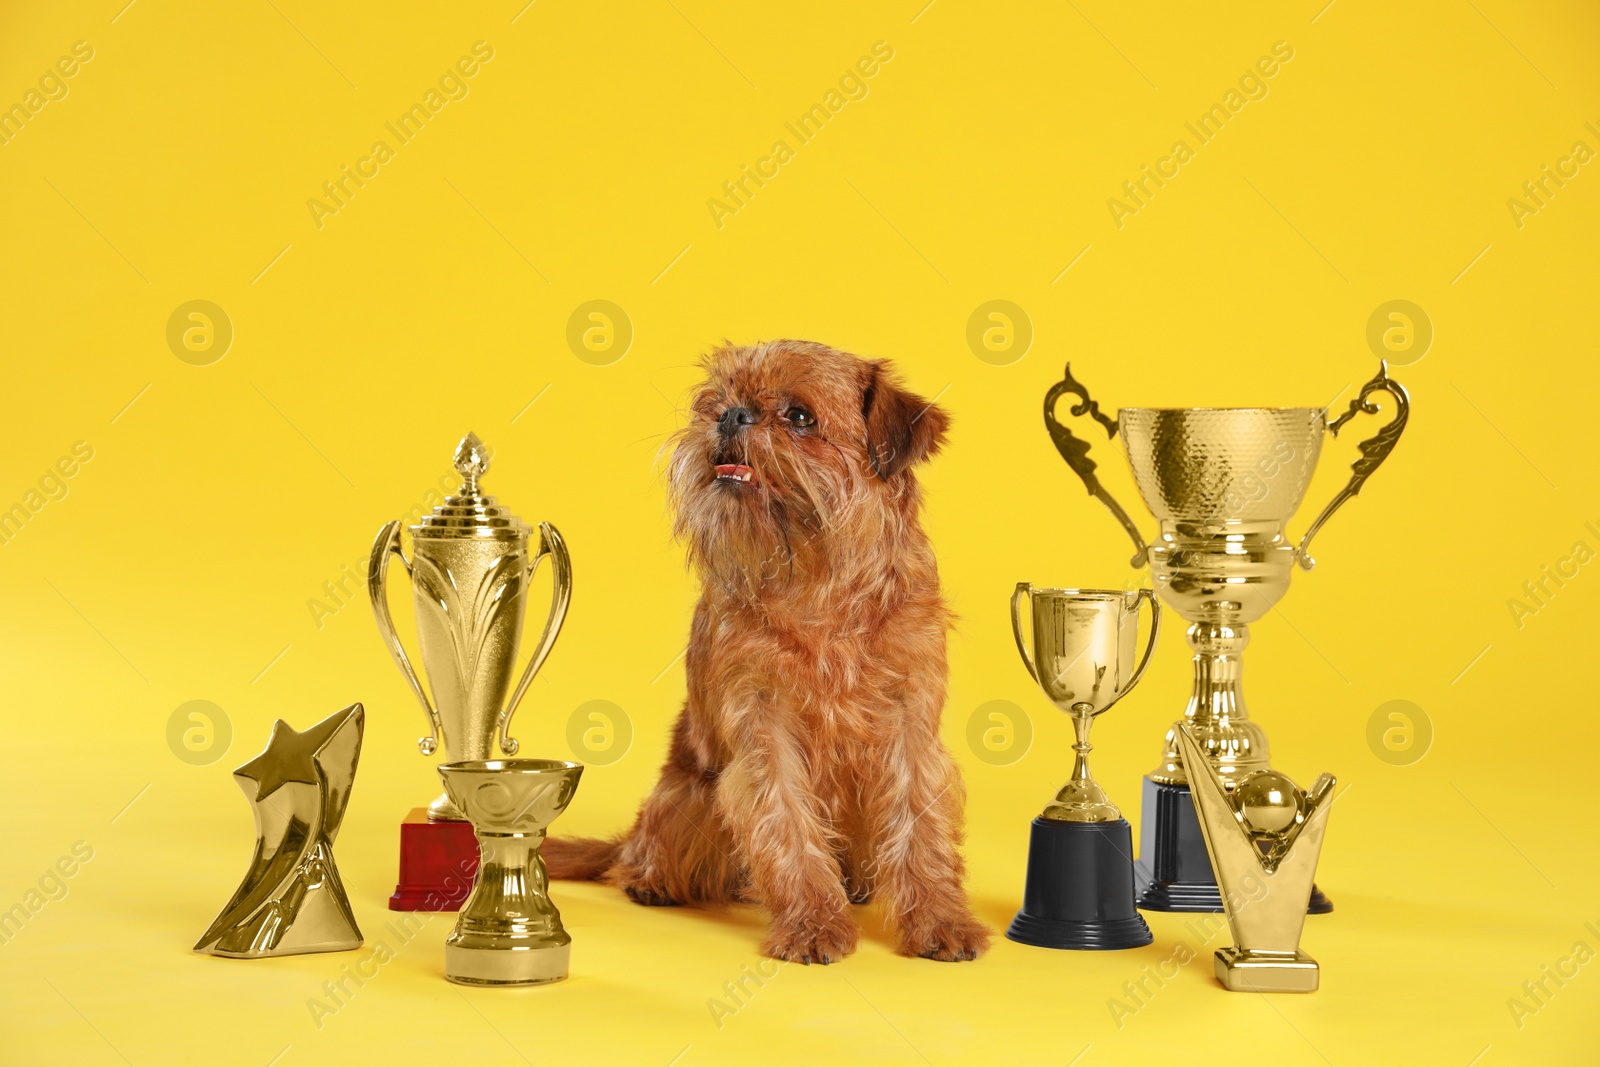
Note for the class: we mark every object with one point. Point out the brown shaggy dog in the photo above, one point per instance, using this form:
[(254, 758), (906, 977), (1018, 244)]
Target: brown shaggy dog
[(806, 770)]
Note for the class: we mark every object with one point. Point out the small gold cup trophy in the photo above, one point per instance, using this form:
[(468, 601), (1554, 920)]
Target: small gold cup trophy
[(509, 933), (1081, 647), (1223, 484), (1264, 836), (470, 571)]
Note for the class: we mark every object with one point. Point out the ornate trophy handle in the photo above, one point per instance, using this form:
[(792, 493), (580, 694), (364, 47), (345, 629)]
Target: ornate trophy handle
[(377, 569), (1076, 451), (1024, 589), (1374, 450), (550, 544), (1150, 645)]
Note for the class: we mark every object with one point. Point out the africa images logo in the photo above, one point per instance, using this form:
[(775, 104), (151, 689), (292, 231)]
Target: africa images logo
[(1252, 85), (739, 191), (452, 85)]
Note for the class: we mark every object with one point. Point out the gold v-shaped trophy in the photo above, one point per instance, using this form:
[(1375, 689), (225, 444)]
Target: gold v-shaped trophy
[(1264, 836), (1223, 484)]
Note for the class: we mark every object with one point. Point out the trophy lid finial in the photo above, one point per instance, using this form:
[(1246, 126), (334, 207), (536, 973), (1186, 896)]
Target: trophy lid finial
[(472, 459), (470, 512)]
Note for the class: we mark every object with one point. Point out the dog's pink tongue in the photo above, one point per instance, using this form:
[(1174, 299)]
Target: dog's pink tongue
[(734, 472)]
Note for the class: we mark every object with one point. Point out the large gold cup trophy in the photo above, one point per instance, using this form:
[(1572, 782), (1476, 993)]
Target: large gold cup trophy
[(1223, 484)]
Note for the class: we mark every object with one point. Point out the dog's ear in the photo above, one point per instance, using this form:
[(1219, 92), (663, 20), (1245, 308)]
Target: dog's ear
[(902, 428)]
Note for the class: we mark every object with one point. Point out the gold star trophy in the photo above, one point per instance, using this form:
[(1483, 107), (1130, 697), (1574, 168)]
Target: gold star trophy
[(292, 899), (1223, 483), (1264, 836)]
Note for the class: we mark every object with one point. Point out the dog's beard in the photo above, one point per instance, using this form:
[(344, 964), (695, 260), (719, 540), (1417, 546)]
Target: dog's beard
[(792, 517)]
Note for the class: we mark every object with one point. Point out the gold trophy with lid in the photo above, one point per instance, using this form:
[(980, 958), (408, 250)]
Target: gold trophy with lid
[(472, 563)]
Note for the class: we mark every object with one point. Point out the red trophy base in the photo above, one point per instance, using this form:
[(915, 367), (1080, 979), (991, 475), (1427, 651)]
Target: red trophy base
[(438, 861)]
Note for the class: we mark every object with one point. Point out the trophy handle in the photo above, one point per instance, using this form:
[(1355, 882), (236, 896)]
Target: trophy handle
[(1150, 645), (1076, 451), (1023, 589), (1374, 450), (550, 544), (377, 588)]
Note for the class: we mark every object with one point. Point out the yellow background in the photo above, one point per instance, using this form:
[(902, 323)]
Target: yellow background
[(180, 563)]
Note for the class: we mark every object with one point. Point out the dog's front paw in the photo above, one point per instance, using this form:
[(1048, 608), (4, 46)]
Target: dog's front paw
[(960, 938), (812, 941)]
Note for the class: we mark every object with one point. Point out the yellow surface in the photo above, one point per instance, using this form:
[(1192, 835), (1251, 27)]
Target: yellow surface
[(180, 562)]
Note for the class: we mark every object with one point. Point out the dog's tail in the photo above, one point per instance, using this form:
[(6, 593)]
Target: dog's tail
[(580, 859)]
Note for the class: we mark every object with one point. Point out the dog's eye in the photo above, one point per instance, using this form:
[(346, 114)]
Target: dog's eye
[(800, 418)]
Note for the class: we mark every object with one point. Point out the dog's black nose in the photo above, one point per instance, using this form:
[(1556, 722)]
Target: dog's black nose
[(735, 419)]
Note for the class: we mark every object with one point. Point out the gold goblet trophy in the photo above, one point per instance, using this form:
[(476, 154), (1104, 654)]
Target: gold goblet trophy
[(1082, 648), (509, 933), (1223, 484)]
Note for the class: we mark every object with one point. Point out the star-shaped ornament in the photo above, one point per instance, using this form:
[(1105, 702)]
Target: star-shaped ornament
[(290, 756)]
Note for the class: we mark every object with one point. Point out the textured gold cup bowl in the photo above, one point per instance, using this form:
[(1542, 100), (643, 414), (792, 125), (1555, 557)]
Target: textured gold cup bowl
[(1223, 482), (1221, 465)]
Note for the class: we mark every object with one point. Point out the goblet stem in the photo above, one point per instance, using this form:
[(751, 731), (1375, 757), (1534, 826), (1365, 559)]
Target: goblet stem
[(1081, 721), (1082, 799), (510, 899), (1234, 745), (1218, 672)]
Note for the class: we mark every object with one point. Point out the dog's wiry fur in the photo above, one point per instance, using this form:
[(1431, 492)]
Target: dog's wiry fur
[(805, 771)]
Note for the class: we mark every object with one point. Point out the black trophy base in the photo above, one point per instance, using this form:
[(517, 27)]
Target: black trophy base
[(1173, 872), (1079, 890)]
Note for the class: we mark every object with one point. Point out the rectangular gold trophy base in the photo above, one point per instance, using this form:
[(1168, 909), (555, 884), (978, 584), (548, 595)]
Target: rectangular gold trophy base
[(1243, 971)]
